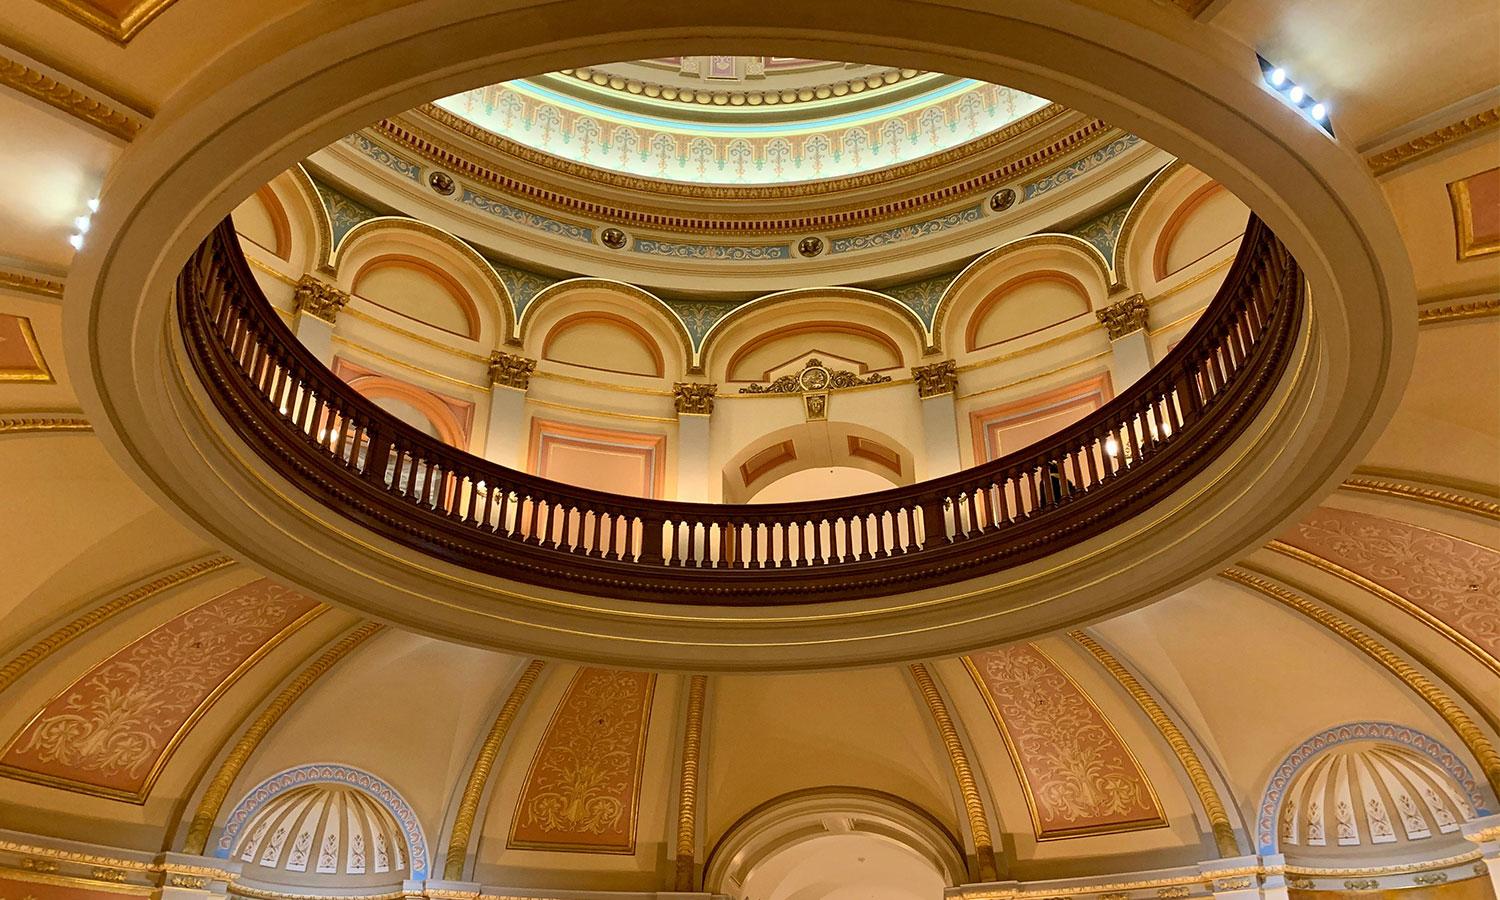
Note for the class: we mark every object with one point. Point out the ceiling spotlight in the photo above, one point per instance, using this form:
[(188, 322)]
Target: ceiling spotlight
[(1319, 112), (94, 205), (1278, 76), (1296, 94), (82, 224), (77, 241)]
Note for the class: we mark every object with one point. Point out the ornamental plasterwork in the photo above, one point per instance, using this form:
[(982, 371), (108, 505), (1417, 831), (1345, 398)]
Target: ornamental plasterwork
[(936, 379), (510, 370), (1125, 317), (815, 377), (319, 299), (694, 398)]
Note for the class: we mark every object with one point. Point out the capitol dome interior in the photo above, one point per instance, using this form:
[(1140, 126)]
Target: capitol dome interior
[(1027, 451)]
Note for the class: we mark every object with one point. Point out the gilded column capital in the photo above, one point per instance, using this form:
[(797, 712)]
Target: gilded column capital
[(511, 370), (1124, 317), (936, 379), (694, 398), (319, 299)]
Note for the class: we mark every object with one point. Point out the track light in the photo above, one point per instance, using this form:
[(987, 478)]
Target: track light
[(76, 240), (1295, 94)]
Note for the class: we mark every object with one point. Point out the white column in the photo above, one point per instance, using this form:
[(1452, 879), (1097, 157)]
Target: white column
[(1485, 832), (505, 433), (316, 335), (693, 457), (937, 393), (1125, 322)]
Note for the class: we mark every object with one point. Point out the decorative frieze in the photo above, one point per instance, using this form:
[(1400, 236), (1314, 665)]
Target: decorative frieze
[(1120, 319), (511, 370), (936, 379), (815, 377), (319, 299), (694, 399)]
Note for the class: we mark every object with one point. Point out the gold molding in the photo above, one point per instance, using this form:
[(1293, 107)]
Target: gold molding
[(218, 789), (602, 385), (54, 93), (1395, 869), (1435, 697), (412, 335), (479, 774), (121, 30), (60, 637), (588, 411), (30, 284), (1482, 488), (1363, 484), (1463, 222), (1218, 817), (170, 746), (270, 270), (1475, 309), (688, 95), (1348, 576), (687, 793), (34, 876), (368, 351), (968, 787), (1039, 375), (32, 422), (1418, 147), (40, 372)]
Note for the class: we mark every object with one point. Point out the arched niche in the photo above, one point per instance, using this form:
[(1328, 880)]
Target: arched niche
[(867, 331), (444, 418), (807, 843), (1019, 290), (426, 275), (1181, 218), (283, 226), (605, 325), (812, 446)]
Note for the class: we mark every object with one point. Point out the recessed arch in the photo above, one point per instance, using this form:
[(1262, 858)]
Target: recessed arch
[(615, 322), (406, 262), (648, 313), (811, 445), (817, 326), (446, 424), (1174, 231), (1048, 278)]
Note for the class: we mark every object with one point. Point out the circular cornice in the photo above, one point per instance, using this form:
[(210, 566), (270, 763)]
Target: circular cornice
[(706, 94), (300, 82)]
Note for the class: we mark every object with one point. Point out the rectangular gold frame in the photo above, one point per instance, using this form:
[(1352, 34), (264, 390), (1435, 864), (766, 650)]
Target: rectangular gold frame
[(42, 374), (1463, 222)]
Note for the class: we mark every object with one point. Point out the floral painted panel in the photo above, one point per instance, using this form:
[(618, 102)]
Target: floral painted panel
[(1078, 776), (1449, 578), (113, 730), (584, 786)]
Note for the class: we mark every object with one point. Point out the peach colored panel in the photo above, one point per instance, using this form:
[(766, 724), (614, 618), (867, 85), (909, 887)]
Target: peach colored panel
[(1484, 206), (451, 418), (620, 462), (1004, 429), (113, 729), (19, 356), (1452, 580), (583, 790), (1078, 777)]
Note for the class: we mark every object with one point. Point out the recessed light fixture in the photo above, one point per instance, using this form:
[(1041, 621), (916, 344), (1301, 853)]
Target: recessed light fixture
[(81, 224), (1295, 95)]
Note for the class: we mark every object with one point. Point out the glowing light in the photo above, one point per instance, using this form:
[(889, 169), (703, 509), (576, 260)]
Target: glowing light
[(1296, 94), (1111, 447), (1319, 111), (94, 205), (77, 241), (1278, 76), (82, 224)]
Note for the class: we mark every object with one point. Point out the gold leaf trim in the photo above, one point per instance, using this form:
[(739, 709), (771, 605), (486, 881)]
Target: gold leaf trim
[(1434, 696), (687, 793), (74, 102), (1329, 567), (118, 29), (1213, 806), (30, 284), (1447, 499), (468, 806), (59, 638), (218, 789), (1476, 309), (1409, 152), (968, 787), (28, 423)]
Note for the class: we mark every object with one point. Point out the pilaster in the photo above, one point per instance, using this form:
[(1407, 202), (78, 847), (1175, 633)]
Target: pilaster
[(937, 393), (694, 403), (1125, 322), (505, 434)]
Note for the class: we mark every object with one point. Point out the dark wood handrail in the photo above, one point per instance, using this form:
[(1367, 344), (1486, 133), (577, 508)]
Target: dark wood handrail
[(316, 430)]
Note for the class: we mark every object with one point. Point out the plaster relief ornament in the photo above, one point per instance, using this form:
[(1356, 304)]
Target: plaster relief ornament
[(814, 382), (810, 246), (613, 238), (1002, 200), (510, 370), (319, 299), (441, 182)]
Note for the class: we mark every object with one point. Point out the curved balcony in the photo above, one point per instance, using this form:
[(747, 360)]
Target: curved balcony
[(347, 453)]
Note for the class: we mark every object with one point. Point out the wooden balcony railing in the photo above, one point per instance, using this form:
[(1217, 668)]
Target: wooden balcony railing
[(349, 454)]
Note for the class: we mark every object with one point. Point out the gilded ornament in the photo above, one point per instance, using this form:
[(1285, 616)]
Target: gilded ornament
[(218, 789), (33, 864), (1125, 317), (936, 379), (963, 772), (319, 299), (1433, 141), (1361, 884), (111, 875), (510, 370), (815, 377), (1430, 878), (31, 284), (1002, 199), (692, 398), (613, 238), (192, 882), (815, 407), (442, 183), (1241, 883), (810, 246), (1477, 309), (479, 774), (75, 103), (1115, 895), (1175, 892), (1449, 499), (1213, 807), (28, 423), (1300, 883), (687, 793)]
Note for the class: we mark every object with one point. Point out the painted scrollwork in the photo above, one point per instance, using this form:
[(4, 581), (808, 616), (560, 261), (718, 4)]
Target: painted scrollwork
[(815, 377)]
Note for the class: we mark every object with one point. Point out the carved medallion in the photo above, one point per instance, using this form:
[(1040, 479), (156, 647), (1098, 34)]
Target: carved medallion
[(613, 238), (441, 182), (1002, 200), (810, 246)]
